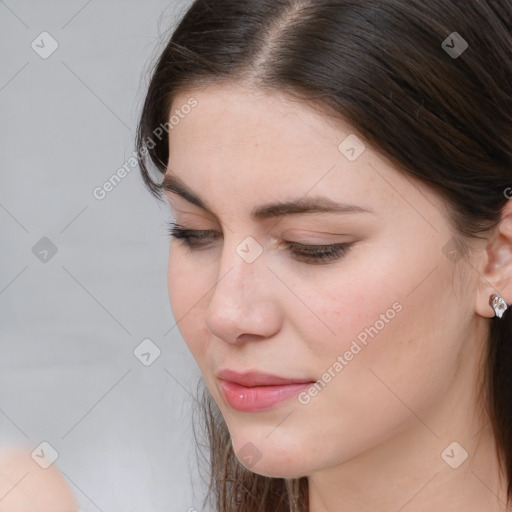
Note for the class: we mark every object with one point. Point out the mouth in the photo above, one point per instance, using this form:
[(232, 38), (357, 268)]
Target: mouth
[(255, 391)]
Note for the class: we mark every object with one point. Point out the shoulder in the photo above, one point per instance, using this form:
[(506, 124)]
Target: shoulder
[(25, 486)]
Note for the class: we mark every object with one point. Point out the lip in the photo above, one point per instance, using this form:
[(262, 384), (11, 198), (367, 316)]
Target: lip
[(255, 378), (254, 391)]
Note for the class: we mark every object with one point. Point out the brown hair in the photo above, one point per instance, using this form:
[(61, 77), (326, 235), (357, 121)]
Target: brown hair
[(382, 66)]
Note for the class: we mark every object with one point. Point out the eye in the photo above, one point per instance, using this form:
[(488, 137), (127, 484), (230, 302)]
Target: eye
[(192, 238), (316, 254)]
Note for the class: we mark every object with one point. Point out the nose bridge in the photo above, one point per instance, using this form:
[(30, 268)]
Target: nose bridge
[(240, 302), (242, 266), (239, 272)]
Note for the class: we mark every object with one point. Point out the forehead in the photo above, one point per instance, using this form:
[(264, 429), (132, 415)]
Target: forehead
[(231, 112), (243, 147), (233, 133)]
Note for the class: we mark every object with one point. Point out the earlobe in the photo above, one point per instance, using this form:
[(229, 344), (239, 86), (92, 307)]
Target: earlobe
[(495, 286)]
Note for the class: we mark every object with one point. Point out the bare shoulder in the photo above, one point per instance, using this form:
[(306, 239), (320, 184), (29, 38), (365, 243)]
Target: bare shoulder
[(26, 486)]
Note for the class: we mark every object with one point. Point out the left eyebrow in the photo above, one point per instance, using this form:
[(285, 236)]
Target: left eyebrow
[(174, 184)]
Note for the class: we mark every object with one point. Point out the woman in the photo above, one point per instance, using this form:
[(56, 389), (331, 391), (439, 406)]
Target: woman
[(341, 264)]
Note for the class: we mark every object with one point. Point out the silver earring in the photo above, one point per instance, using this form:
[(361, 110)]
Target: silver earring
[(498, 304)]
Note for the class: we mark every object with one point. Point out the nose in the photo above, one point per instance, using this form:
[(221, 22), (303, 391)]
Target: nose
[(244, 302)]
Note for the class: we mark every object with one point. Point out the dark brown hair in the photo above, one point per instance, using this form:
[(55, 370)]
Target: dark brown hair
[(380, 65)]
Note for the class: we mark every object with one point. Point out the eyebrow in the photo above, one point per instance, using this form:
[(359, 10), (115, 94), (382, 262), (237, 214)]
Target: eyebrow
[(173, 184)]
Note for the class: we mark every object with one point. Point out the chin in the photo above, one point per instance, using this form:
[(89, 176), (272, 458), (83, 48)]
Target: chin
[(277, 469), (276, 458)]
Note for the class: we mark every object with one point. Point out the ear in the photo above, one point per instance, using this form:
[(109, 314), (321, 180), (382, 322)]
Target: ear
[(496, 269)]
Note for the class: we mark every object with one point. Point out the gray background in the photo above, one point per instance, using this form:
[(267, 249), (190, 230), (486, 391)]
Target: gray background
[(69, 322)]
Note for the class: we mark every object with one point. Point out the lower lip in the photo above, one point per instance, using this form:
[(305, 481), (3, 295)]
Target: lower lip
[(259, 398)]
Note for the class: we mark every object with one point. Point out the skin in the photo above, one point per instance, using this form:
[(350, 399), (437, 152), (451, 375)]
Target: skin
[(372, 438), (27, 487)]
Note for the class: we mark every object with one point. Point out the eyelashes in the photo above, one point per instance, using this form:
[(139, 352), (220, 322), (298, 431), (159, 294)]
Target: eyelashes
[(196, 240)]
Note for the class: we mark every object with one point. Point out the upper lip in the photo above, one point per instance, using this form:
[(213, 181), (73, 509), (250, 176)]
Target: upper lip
[(255, 378)]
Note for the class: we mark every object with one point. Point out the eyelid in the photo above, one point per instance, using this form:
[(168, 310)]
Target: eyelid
[(308, 236), (188, 213), (210, 234), (311, 254), (298, 236)]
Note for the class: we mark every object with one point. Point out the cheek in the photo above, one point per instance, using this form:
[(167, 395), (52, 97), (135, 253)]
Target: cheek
[(185, 289), (176, 284), (397, 333), (339, 305), (399, 320)]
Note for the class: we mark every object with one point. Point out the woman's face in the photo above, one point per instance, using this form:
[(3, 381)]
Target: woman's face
[(380, 323)]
